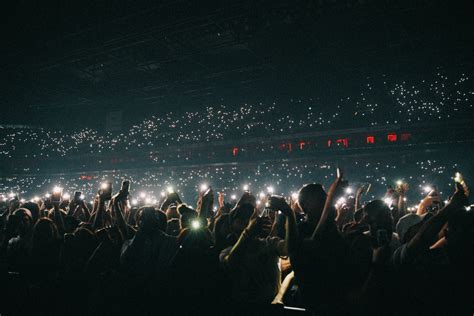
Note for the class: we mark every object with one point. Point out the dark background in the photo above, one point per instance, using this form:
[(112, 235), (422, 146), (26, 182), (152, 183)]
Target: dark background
[(74, 61)]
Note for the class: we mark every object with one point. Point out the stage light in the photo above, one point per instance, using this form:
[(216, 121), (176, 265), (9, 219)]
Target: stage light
[(399, 182), (349, 190), (270, 190), (82, 197), (246, 187), (104, 185), (233, 197), (47, 195), (170, 190)]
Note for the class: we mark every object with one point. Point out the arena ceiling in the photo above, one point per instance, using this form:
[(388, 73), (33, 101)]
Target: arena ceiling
[(62, 59)]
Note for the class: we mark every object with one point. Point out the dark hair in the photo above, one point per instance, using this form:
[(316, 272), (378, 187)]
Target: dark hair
[(44, 234), (187, 215), (149, 213), (242, 212), (33, 208), (311, 199)]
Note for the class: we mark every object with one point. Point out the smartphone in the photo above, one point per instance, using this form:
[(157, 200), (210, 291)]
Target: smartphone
[(125, 187), (56, 196), (77, 196), (106, 190)]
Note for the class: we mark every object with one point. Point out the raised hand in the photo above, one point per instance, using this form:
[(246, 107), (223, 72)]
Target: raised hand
[(220, 199), (278, 203)]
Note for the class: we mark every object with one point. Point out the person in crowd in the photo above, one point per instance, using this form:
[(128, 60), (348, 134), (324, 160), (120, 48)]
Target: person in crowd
[(310, 251)]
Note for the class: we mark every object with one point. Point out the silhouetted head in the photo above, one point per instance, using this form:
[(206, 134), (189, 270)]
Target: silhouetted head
[(34, 210), (377, 215), (311, 199), (187, 215), (149, 216), (239, 217), (45, 232)]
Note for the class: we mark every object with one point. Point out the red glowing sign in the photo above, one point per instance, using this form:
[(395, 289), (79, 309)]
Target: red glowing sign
[(343, 141), (405, 136), (392, 138), (288, 147), (302, 144), (370, 139), (235, 151)]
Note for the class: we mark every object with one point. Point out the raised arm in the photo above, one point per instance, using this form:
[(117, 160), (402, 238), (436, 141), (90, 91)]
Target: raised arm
[(252, 230), (428, 233), (332, 193), (278, 203)]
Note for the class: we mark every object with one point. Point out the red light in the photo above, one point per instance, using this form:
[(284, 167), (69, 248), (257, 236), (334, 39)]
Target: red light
[(392, 138), (343, 141), (405, 136), (370, 139), (235, 151), (302, 143), (288, 146), (329, 143)]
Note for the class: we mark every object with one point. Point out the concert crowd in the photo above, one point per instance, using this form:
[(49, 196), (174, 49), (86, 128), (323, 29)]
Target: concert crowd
[(256, 253)]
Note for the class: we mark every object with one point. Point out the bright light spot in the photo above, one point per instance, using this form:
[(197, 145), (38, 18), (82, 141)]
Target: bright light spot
[(349, 190), (388, 201), (399, 182), (148, 200), (142, 195), (66, 196), (82, 197), (294, 196), (246, 187), (11, 195), (162, 193), (233, 197), (341, 201), (204, 187), (262, 195), (270, 190), (170, 189), (47, 195), (427, 189), (134, 202), (57, 189), (104, 185), (196, 224)]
